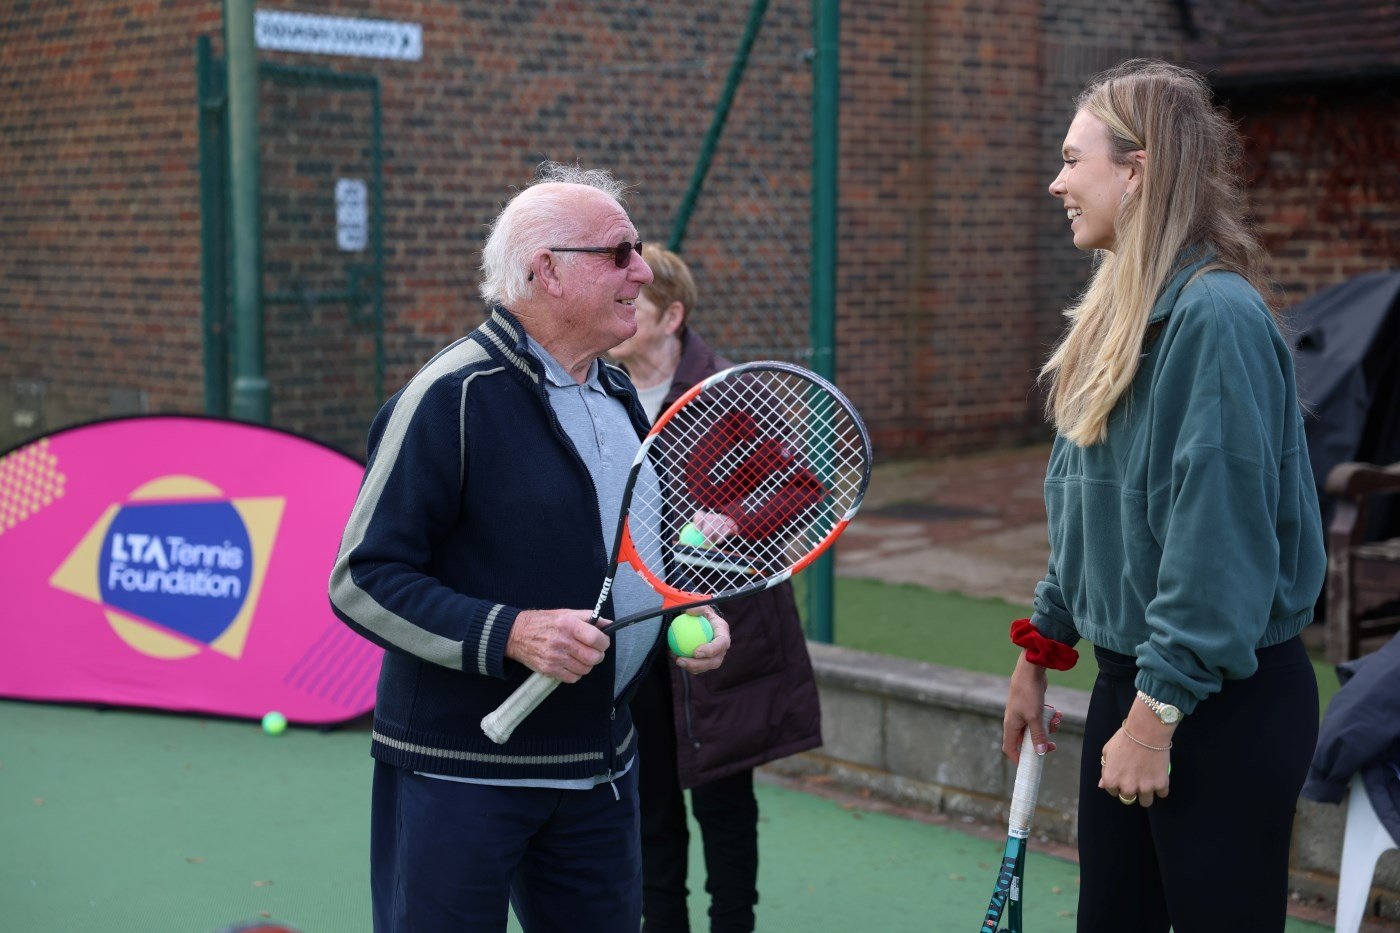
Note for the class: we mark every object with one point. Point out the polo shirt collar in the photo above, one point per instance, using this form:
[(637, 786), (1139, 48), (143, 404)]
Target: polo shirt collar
[(555, 373)]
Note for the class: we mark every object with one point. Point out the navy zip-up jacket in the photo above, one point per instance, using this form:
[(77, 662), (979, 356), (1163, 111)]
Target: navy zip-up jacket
[(475, 506)]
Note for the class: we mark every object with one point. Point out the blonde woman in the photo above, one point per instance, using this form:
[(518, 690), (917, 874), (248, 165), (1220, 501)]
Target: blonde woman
[(1185, 539)]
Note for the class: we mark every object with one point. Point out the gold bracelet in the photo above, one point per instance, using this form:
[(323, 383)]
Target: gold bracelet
[(1155, 748)]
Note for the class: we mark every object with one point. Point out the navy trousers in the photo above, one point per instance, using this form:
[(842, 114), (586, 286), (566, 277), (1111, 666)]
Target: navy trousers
[(1213, 856), (447, 856)]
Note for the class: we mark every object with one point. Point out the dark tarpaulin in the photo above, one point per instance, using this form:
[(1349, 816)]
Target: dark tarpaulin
[(1346, 342)]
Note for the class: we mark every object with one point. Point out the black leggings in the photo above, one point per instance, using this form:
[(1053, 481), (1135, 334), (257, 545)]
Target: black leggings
[(725, 809), (1212, 856)]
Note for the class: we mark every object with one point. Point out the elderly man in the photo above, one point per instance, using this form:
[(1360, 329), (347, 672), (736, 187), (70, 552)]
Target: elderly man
[(485, 520)]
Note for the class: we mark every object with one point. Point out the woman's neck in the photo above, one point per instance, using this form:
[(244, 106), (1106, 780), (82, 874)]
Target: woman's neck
[(656, 366)]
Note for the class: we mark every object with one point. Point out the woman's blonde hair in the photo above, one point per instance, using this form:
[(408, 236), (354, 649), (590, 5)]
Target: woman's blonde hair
[(671, 281), (1191, 195)]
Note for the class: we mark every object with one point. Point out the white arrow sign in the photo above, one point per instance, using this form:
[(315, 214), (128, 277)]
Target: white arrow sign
[(337, 35)]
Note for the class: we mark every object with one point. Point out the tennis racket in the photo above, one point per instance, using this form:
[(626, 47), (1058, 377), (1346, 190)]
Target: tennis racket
[(744, 481), (1011, 878)]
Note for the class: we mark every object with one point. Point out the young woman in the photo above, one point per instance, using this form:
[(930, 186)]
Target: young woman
[(1185, 539)]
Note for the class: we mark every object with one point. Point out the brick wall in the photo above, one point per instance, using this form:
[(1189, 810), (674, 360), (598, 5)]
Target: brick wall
[(1324, 170), (99, 209), (954, 262)]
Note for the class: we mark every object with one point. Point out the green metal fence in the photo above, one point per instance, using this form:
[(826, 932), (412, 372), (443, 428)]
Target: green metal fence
[(730, 150)]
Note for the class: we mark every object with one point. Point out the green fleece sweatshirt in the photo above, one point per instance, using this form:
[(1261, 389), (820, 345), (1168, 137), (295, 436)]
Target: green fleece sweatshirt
[(1191, 536)]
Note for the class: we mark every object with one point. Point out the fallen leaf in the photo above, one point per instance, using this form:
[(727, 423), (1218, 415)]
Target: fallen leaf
[(261, 884), (193, 859), (957, 877), (38, 801), (1057, 890)]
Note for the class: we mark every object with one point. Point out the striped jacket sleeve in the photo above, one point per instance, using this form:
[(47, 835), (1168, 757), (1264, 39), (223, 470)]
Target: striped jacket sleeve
[(411, 497)]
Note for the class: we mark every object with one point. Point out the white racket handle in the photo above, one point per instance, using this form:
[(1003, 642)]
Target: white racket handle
[(500, 723), (1027, 785)]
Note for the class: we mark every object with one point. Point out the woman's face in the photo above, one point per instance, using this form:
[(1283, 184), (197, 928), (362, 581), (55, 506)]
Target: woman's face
[(654, 328), (1091, 185)]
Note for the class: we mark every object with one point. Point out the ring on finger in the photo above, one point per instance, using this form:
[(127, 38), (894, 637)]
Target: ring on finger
[(1103, 761), (1127, 801)]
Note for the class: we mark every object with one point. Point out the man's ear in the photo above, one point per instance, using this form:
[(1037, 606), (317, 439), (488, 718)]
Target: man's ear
[(545, 270)]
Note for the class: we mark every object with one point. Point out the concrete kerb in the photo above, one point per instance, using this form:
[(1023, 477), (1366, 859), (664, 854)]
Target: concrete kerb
[(928, 737)]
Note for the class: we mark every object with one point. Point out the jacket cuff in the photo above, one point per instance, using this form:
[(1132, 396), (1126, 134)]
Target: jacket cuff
[(1053, 627), (1167, 692), (484, 650)]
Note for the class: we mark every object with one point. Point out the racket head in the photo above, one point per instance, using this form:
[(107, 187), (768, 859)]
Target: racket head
[(742, 482)]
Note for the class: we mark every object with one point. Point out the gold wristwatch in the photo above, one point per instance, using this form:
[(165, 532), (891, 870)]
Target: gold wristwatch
[(1169, 714)]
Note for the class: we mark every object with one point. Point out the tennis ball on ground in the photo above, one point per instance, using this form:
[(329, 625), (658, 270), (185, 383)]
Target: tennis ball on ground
[(691, 536), (688, 632), (274, 723)]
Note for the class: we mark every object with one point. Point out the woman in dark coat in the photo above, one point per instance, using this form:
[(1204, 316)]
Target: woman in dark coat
[(707, 734)]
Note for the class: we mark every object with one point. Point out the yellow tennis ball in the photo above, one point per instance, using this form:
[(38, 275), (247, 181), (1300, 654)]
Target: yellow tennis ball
[(688, 632), (274, 723), (692, 536)]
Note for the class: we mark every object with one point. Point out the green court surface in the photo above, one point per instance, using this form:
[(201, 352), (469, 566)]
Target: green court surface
[(118, 821), (962, 631)]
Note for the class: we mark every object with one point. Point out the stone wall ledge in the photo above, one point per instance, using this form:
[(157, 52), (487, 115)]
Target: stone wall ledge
[(926, 736)]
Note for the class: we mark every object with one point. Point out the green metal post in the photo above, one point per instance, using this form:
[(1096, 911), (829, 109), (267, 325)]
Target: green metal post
[(213, 241), (707, 149), (826, 87), (376, 218), (252, 399)]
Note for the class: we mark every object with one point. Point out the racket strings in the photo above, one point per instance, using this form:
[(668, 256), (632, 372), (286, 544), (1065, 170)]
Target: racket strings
[(753, 475)]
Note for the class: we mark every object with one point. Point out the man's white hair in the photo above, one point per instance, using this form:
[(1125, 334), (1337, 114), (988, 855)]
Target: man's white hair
[(541, 215)]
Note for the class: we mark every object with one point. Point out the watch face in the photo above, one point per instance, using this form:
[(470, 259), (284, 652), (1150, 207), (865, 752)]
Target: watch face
[(1168, 713)]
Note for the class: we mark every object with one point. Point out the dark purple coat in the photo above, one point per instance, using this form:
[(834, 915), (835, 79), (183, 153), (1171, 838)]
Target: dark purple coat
[(761, 703)]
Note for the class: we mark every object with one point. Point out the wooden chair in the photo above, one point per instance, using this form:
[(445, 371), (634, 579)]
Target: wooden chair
[(1363, 577)]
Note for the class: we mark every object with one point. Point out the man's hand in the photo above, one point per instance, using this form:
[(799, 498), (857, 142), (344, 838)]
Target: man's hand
[(711, 654), (561, 643)]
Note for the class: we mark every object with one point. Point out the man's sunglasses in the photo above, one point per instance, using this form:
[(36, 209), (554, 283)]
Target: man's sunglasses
[(621, 253)]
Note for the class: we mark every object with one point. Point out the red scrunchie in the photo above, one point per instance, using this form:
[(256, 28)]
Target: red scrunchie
[(1040, 650)]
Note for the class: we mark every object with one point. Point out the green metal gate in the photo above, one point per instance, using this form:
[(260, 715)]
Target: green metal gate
[(322, 245)]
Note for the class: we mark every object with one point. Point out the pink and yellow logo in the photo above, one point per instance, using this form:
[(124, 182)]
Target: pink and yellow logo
[(180, 563)]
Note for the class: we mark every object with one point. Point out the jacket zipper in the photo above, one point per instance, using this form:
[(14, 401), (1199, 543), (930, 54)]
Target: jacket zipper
[(563, 435)]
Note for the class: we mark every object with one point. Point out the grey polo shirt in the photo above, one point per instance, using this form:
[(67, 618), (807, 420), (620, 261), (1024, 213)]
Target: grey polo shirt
[(603, 434)]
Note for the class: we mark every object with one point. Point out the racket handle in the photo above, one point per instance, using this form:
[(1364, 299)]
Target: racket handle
[(1027, 785), (501, 722)]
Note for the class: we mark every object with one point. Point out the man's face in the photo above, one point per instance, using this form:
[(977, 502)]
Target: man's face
[(600, 298)]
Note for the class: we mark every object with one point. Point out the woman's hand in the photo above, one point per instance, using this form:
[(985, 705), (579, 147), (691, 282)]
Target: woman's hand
[(1024, 704), (1132, 772)]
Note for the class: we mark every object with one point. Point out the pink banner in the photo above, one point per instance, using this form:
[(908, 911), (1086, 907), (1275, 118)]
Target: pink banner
[(179, 563)]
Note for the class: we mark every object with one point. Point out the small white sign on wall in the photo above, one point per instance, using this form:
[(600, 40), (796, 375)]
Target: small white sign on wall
[(281, 31), (351, 214)]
